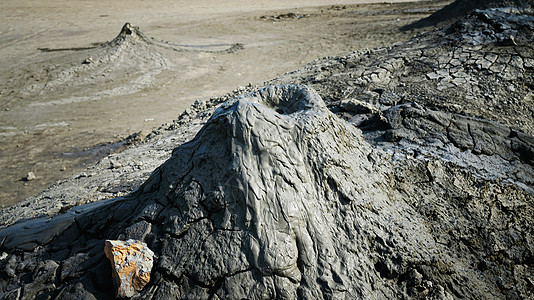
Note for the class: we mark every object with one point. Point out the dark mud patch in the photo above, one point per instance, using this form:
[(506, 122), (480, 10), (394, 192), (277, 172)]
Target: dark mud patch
[(65, 49)]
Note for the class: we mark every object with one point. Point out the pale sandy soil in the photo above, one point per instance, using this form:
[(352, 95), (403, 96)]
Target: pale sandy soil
[(57, 114)]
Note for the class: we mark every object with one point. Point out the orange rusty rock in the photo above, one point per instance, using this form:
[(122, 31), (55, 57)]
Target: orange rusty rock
[(131, 262)]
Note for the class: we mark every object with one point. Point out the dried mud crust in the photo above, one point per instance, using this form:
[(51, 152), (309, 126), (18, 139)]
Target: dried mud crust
[(383, 182), (481, 66), (459, 8)]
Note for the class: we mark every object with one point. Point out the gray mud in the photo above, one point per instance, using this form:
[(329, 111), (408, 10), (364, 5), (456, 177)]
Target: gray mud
[(403, 172)]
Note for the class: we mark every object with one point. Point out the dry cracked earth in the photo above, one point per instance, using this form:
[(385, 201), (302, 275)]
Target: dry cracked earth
[(401, 172)]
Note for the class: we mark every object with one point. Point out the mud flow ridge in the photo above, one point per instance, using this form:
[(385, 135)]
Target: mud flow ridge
[(130, 34)]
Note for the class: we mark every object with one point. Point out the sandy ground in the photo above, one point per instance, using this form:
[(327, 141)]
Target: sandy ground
[(58, 114)]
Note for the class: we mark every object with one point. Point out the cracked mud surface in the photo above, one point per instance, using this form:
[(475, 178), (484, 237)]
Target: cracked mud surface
[(401, 172)]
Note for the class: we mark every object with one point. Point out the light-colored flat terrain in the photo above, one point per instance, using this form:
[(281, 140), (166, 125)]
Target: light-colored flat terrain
[(58, 114)]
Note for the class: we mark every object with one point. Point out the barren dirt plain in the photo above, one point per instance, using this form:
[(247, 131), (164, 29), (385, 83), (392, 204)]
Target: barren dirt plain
[(66, 100)]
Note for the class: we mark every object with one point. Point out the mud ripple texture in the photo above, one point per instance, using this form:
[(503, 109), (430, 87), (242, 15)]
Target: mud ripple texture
[(400, 172)]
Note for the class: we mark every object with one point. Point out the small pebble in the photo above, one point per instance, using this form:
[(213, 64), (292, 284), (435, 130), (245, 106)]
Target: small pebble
[(30, 176)]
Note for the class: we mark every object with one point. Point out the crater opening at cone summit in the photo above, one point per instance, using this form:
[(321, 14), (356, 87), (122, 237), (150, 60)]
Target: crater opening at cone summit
[(287, 99)]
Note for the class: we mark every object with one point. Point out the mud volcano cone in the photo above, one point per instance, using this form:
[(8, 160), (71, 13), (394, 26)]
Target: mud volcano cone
[(129, 33), (252, 207), (246, 208), (254, 192)]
